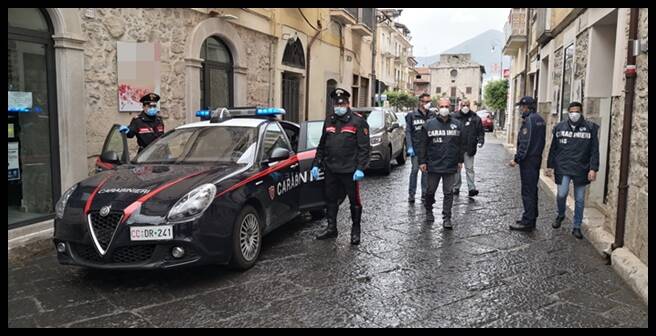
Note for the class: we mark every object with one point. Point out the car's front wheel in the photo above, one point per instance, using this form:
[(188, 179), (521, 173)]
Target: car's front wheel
[(402, 156), (247, 239)]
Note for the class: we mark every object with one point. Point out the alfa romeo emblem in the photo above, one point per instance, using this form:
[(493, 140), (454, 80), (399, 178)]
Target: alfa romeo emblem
[(104, 211), (272, 192)]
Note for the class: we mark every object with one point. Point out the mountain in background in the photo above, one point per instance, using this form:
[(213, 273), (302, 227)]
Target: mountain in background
[(479, 47)]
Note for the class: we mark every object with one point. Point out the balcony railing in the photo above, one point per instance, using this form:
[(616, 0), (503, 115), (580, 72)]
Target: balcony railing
[(515, 30), (353, 12)]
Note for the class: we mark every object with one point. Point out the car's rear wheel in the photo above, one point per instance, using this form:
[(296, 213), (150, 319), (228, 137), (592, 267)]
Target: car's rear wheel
[(402, 156), (247, 239)]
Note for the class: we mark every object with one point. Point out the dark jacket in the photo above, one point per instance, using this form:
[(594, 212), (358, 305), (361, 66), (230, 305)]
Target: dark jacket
[(344, 146), (472, 131), (414, 124), (530, 142), (574, 150), (146, 129), (442, 145)]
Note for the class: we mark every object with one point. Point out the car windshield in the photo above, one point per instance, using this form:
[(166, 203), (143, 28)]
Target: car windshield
[(483, 114), (375, 118), (314, 130), (216, 144)]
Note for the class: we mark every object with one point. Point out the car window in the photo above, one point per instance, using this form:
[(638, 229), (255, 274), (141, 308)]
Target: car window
[(483, 114), (401, 119), (202, 145), (114, 142), (273, 138), (375, 118), (314, 130)]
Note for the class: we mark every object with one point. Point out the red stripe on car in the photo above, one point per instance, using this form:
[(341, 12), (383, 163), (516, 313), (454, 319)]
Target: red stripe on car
[(127, 212), (279, 166), (87, 206)]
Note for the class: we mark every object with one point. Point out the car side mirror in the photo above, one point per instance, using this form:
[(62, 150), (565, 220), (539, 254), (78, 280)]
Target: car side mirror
[(394, 126), (278, 154), (110, 157)]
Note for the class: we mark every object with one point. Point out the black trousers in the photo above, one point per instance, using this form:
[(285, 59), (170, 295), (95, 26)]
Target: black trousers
[(337, 185), (529, 172), (447, 190)]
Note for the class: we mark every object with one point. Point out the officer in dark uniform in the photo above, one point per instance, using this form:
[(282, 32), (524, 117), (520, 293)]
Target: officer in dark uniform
[(415, 121), (530, 144), (574, 155), (147, 126), (343, 153), (441, 155)]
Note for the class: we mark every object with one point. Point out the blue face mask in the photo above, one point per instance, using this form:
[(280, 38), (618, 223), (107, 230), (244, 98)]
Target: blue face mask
[(152, 111), (340, 111)]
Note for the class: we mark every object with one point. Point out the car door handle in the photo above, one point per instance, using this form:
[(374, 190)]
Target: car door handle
[(258, 182), (294, 165)]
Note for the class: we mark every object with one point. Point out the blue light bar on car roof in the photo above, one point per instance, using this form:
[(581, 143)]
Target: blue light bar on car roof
[(264, 111), (203, 114)]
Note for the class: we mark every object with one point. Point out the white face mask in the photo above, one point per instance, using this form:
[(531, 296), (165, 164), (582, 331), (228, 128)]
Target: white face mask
[(444, 111), (427, 106), (465, 110), (574, 116)]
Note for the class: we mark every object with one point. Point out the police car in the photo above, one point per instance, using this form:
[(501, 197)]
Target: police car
[(203, 193)]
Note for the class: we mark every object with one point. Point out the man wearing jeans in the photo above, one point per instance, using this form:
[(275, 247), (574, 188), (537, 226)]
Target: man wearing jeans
[(473, 134), (574, 156), (414, 124)]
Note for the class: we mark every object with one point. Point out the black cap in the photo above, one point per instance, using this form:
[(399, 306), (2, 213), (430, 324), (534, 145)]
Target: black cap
[(526, 100), (149, 98), (340, 96)]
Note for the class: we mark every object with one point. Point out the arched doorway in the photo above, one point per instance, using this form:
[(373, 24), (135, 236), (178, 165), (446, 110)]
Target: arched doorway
[(294, 57), (216, 80), (33, 157), (331, 85)]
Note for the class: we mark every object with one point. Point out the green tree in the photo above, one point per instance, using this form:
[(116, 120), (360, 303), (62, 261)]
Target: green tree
[(496, 94)]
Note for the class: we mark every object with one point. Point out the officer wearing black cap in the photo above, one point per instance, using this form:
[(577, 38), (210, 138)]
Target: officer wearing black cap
[(343, 153), (530, 144), (147, 126)]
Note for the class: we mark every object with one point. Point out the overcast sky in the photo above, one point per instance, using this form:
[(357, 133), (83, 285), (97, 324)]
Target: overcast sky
[(434, 30)]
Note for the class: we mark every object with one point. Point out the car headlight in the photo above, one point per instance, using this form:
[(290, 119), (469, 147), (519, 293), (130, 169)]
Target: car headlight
[(61, 204), (376, 140), (193, 204)]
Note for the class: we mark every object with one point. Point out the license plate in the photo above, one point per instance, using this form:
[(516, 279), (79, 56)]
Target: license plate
[(162, 232)]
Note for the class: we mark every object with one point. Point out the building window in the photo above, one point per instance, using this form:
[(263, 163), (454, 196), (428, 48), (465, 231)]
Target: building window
[(294, 55), (468, 90), (453, 91), (216, 89), (438, 90), (567, 79)]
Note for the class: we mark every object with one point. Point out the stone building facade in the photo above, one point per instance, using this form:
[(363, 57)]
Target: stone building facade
[(457, 77)]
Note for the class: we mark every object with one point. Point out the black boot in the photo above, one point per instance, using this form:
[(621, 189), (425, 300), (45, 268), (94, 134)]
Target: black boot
[(557, 222), (356, 216), (429, 215), (331, 228)]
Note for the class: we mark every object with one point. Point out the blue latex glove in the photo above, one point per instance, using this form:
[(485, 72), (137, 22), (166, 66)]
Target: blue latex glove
[(358, 175), (123, 129), (411, 152), (315, 172)]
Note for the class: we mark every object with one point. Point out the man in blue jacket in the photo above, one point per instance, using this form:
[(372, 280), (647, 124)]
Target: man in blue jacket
[(574, 156), (414, 125), (530, 144), (441, 155)]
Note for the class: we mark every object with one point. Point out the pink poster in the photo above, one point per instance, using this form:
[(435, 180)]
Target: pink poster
[(138, 73)]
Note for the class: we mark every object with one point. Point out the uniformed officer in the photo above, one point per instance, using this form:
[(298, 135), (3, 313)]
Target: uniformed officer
[(414, 125), (473, 134), (343, 153), (574, 156), (147, 126), (441, 155), (530, 144)]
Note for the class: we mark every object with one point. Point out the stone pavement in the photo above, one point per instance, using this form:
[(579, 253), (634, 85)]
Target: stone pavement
[(406, 273)]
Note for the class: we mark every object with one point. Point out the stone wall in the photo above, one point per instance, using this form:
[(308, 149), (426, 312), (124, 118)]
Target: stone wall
[(636, 232), (171, 27)]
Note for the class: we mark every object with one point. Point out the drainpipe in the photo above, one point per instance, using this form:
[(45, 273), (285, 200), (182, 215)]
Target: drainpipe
[(629, 88), (307, 74)]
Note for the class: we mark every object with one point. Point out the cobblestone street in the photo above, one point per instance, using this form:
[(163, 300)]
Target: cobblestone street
[(405, 273)]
